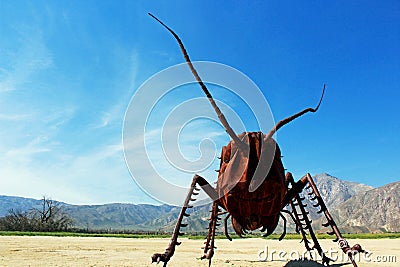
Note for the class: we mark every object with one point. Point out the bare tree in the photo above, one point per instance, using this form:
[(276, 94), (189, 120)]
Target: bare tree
[(49, 217)]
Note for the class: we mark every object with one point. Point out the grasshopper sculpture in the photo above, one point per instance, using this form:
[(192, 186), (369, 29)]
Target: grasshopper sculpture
[(253, 203)]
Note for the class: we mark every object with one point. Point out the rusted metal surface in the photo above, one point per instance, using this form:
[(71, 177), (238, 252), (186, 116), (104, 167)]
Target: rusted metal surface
[(260, 208)]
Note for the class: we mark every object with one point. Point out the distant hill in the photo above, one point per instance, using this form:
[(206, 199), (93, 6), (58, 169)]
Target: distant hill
[(107, 216), (116, 216), (356, 208), (18, 204), (376, 210), (197, 221), (335, 191)]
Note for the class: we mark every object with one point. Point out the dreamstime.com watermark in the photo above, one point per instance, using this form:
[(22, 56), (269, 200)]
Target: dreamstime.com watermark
[(268, 254)]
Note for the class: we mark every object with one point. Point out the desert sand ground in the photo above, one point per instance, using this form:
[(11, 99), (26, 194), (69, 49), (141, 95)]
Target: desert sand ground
[(99, 251)]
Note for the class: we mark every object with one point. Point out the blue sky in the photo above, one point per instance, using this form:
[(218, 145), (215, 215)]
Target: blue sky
[(69, 69)]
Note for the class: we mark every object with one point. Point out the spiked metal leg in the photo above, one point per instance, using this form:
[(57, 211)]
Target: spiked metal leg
[(304, 223), (226, 227), (169, 251), (209, 243), (343, 244)]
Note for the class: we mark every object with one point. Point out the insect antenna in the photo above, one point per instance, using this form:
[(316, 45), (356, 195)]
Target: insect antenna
[(220, 115), (295, 116)]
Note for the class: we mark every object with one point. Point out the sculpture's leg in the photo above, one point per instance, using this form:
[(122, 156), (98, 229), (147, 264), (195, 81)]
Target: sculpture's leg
[(226, 227), (304, 223), (169, 251), (343, 244), (209, 243)]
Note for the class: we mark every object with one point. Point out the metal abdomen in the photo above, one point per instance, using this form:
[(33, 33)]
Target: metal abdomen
[(251, 185)]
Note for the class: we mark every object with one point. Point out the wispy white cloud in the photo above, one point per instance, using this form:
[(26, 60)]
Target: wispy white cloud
[(96, 177), (177, 158), (24, 59), (19, 153), (124, 84), (63, 147), (105, 120), (53, 147), (15, 117)]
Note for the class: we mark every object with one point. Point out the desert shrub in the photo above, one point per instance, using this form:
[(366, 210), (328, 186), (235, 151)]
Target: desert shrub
[(50, 217)]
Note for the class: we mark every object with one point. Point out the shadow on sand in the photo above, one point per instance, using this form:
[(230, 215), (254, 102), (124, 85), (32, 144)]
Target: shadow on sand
[(310, 263)]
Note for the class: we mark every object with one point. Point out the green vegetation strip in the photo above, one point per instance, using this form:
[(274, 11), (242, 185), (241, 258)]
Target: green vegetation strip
[(319, 236), (274, 236), (64, 234), (348, 236)]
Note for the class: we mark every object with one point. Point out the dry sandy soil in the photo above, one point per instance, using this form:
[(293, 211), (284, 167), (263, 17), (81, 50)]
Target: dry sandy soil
[(99, 251)]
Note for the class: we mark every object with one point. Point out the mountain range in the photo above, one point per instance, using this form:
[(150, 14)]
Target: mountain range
[(355, 207)]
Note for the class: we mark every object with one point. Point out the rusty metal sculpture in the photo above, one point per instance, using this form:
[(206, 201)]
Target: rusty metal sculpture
[(253, 204)]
